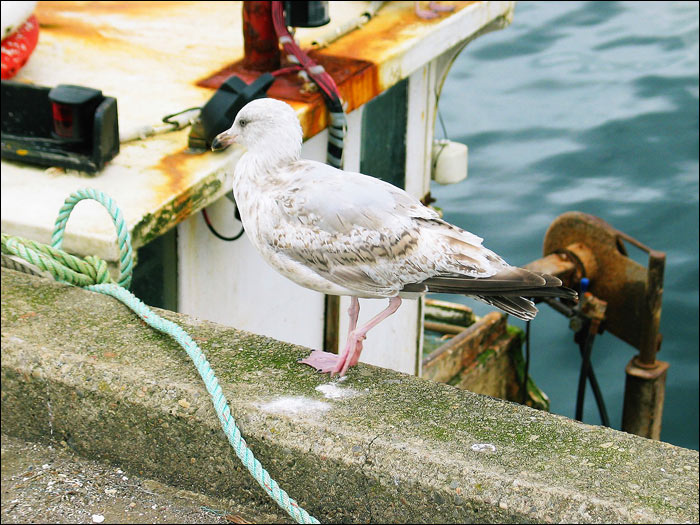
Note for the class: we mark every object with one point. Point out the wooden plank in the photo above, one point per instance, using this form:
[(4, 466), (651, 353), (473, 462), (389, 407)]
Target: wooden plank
[(449, 359), (492, 371), (445, 328), (447, 312)]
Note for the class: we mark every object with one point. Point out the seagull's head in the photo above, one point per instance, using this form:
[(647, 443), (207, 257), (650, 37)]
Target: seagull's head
[(265, 126)]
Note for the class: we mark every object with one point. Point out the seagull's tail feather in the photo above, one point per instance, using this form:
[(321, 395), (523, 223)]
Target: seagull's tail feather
[(507, 290), (518, 306), (512, 281)]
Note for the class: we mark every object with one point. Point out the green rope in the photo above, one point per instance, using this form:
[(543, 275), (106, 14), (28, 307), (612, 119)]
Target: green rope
[(126, 256), (63, 266), (91, 273)]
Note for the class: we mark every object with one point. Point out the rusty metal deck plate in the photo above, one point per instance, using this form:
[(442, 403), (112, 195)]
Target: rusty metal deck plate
[(151, 57)]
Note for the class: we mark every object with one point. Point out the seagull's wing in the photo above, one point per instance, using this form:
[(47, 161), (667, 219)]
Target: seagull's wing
[(376, 240), (339, 201), (365, 234)]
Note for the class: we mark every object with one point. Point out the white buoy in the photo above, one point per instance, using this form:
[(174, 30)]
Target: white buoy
[(449, 161)]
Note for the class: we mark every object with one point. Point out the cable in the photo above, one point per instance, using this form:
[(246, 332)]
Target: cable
[(527, 363), (442, 124), (585, 337), (585, 341), (443, 144), (169, 123), (585, 348), (600, 402), (217, 234), (597, 393), (318, 73)]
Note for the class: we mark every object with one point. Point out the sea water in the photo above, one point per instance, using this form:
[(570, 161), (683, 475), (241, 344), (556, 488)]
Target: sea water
[(588, 106)]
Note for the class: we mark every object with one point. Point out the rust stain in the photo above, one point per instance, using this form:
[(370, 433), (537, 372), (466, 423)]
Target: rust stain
[(130, 7), (174, 167), (177, 169), (59, 24), (86, 20), (351, 61), (356, 79), (314, 119)]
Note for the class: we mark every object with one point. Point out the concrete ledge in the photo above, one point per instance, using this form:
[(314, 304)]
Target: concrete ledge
[(379, 446)]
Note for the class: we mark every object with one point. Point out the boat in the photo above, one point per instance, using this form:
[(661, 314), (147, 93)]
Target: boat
[(167, 68)]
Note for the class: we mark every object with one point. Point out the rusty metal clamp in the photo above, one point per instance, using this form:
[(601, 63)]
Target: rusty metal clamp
[(578, 246)]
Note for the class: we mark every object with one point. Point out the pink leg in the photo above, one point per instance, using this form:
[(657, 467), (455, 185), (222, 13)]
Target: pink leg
[(339, 364), (327, 361), (353, 347), (353, 312)]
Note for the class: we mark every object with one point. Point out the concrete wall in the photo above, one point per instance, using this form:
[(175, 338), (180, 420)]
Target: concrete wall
[(79, 368)]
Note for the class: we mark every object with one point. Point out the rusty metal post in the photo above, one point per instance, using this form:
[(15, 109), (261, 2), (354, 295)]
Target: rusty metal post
[(644, 399), (646, 377), (259, 38)]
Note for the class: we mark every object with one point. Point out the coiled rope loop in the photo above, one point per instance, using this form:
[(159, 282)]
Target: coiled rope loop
[(92, 274), (63, 266), (126, 256)]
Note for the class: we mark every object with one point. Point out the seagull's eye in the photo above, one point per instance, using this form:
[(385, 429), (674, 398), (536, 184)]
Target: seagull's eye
[(243, 123)]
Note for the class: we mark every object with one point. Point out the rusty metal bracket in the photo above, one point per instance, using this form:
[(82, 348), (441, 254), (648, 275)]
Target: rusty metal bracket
[(579, 245)]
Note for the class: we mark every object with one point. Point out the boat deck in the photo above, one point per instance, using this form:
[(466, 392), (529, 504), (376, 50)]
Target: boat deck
[(154, 57)]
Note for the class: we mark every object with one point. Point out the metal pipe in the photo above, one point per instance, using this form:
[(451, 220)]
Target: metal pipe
[(259, 38), (643, 407), (559, 307), (650, 340), (556, 264)]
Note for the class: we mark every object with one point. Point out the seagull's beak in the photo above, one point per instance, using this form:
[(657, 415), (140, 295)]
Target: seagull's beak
[(224, 140)]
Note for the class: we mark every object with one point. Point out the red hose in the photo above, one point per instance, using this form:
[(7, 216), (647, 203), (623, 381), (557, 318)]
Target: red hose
[(320, 76)]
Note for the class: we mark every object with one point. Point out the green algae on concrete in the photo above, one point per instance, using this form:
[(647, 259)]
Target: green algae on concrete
[(378, 446), (153, 225)]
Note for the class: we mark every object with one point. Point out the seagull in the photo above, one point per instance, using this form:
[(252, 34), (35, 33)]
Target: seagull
[(344, 233)]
